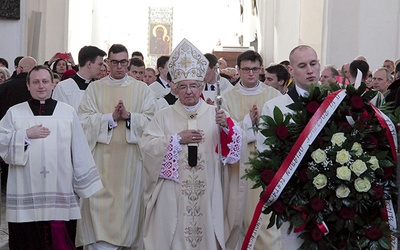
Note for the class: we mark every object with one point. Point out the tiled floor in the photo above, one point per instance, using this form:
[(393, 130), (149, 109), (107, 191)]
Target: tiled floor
[(3, 225)]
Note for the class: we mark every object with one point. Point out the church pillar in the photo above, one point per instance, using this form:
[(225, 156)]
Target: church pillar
[(367, 27)]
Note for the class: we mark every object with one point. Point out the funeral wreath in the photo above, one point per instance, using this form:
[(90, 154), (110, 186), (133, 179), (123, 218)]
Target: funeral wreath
[(342, 192)]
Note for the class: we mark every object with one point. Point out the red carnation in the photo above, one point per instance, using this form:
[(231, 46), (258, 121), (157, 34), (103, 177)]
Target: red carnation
[(278, 207), (347, 213), (378, 192), (317, 204), (357, 102), (267, 176), (387, 173), (373, 233), (317, 235), (312, 107), (282, 132)]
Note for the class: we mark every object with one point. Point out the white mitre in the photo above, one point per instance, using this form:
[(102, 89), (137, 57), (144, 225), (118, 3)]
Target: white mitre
[(187, 63)]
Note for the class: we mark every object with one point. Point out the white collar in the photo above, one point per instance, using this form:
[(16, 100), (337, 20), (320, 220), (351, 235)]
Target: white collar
[(250, 91), (301, 91)]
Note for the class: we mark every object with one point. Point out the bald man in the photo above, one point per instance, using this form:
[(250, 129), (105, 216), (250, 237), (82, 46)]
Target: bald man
[(15, 91)]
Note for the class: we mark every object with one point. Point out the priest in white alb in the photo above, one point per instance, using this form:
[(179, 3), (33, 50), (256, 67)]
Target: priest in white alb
[(50, 165)]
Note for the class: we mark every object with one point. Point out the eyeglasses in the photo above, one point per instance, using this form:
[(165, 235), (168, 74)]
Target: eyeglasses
[(184, 88), (122, 62), (247, 70)]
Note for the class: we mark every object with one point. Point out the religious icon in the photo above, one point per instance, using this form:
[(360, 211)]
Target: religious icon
[(160, 40)]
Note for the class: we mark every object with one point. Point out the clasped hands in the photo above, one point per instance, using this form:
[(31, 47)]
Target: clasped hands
[(120, 112)]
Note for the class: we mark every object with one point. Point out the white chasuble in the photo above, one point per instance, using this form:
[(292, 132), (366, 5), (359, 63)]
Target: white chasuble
[(190, 209), (114, 214), (238, 102)]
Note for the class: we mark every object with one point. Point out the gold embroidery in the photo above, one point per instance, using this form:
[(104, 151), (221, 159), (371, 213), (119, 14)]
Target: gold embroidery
[(193, 189)]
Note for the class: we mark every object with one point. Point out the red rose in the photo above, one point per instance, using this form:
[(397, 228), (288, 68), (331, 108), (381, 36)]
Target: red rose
[(317, 204), (341, 244), (282, 132), (347, 213), (365, 117), (267, 176), (312, 107), (303, 175), (373, 233), (278, 207), (357, 102), (317, 235), (372, 141), (378, 192), (384, 214), (387, 172)]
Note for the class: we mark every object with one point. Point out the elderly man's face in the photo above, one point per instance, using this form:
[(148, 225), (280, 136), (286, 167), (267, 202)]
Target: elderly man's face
[(326, 77), (189, 92), (380, 81)]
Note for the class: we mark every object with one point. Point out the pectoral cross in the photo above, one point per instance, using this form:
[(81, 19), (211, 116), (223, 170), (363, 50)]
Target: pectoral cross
[(44, 172)]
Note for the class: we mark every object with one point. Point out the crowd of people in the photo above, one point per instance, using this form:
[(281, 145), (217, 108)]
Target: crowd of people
[(111, 154)]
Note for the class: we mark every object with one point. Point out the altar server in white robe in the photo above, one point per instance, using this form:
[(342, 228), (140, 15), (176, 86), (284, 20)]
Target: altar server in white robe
[(192, 201), (72, 89), (114, 112), (50, 164)]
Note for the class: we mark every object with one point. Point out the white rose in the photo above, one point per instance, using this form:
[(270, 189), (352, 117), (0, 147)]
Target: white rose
[(342, 156), (342, 191), (357, 148), (362, 185), (343, 173), (374, 163), (338, 139), (318, 155), (358, 167), (320, 181)]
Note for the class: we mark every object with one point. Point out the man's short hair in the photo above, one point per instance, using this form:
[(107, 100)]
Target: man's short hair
[(137, 53), (249, 55), (161, 61), (388, 75), (17, 59), (4, 62), (280, 71), (37, 68), (300, 47), (89, 53), (334, 71), (212, 60), (397, 69), (136, 62), (117, 48), (361, 65), (152, 70)]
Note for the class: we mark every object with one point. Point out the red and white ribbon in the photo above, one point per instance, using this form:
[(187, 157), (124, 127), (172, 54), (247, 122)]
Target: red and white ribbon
[(291, 162)]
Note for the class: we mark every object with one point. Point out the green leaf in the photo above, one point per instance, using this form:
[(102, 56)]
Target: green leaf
[(278, 116), (384, 242)]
